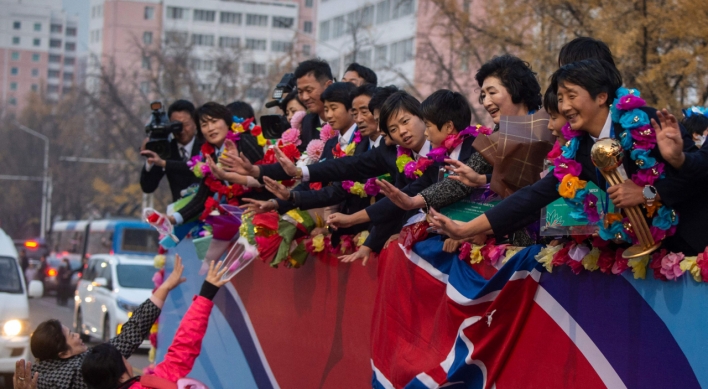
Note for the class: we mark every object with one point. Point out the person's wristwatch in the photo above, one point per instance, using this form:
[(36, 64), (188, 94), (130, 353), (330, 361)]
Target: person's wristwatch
[(649, 193), (298, 173)]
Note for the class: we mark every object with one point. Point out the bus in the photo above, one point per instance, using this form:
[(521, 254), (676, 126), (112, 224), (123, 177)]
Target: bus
[(121, 236)]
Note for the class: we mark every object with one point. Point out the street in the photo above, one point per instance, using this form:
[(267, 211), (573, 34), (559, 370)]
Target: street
[(46, 308)]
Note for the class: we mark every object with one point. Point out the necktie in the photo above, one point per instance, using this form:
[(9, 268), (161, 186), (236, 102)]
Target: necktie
[(183, 151)]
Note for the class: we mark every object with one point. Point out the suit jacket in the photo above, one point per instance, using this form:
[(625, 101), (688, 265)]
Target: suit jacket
[(510, 214), (179, 176), (696, 164), (309, 131)]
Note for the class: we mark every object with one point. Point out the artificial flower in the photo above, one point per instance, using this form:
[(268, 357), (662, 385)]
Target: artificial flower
[(565, 166), (645, 177), (590, 208), (620, 264), (371, 188), (315, 185), (571, 148), (494, 253), (318, 243), (361, 238), (629, 102), (655, 264), (561, 257), (159, 261), (665, 218), (314, 150), (510, 252), (606, 260), (476, 254), (702, 262), (633, 119), (296, 120), (589, 261), (578, 251), (570, 185), (639, 266), (626, 140), (689, 265), (569, 133), (545, 256), (346, 243), (438, 154), (478, 129), (402, 161), (575, 266), (671, 266), (555, 152), (358, 190), (327, 133), (465, 250), (642, 159), (291, 135)]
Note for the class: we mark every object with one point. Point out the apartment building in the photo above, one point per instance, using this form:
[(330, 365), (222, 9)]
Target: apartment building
[(264, 30), (38, 50)]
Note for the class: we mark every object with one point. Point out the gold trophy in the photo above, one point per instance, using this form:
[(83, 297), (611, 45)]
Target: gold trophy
[(607, 155)]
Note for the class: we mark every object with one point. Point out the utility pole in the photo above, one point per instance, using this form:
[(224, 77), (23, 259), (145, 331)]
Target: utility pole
[(45, 182)]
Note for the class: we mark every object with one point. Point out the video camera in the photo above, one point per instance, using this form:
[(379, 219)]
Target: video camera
[(274, 125), (159, 129)]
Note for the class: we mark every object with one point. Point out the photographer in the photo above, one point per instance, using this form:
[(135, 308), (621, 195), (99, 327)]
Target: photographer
[(183, 146)]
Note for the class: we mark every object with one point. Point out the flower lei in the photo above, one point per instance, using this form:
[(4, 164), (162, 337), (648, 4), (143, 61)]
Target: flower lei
[(201, 170), (638, 139), (406, 164), (349, 149), (439, 153), (241, 125)]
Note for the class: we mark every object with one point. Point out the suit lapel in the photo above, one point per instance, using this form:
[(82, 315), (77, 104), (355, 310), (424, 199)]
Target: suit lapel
[(197, 147), (467, 149)]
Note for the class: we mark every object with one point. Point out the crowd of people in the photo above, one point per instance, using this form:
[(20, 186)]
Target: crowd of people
[(375, 161)]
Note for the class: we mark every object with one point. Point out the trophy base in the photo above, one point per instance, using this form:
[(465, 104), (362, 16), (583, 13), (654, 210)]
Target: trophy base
[(637, 251)]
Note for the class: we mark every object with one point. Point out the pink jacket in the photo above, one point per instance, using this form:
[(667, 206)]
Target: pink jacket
[(184, 350)]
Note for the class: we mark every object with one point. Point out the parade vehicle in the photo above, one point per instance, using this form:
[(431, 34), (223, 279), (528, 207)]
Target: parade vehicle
[(14, 309), (111, 288)]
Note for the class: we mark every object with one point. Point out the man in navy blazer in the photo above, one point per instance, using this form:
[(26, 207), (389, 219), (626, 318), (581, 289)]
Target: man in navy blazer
[(313, 77)]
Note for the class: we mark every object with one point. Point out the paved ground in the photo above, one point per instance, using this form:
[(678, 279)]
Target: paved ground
[(46, 308)]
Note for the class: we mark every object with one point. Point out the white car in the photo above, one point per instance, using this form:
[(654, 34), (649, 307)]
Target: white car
[(110, 289), (14, 309)]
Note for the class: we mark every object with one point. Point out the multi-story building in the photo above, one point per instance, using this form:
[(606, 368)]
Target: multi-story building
[(38, 49), (263, 31), (380, 35)]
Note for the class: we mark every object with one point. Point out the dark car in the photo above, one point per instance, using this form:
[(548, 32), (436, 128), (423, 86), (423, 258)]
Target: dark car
[(52, 270), (35, 248)]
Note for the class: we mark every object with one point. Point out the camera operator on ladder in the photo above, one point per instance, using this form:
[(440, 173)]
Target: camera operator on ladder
[(183, 145)]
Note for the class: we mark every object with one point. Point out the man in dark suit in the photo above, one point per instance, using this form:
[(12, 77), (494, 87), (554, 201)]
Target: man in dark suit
[(183, 147), (313, 77)]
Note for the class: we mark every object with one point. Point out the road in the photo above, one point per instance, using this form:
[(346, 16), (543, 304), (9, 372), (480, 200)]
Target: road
[(46, 308)]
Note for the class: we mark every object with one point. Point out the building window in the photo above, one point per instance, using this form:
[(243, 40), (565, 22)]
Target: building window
[(402, 51), (13, 101), (54, 58), (55, 43), (145, 87), (35, 72), (202, 40), (308, 3), (146, 63), (228, 41), (38, 26), (71, 31), (202, 64), (306, 50), (363, 57), (254, 68), (15, 40), (52, 88), (280, 46), (401, 8), (53, 73), (69, 61), (380, 54), (16, 25), (366, 16), (15, 56), (56, 28), (339, 26), (201, 15), (68, 76), (36, 42), (324, 31), (13, 86), (70, 46), (35, 57), (256, 44), (176, 38), (149, 13), (147, 37), (282, 22), (256, 20), (14, 71), (35, 88), (307, 27), (176, 13), (383, 11), (230, 18)]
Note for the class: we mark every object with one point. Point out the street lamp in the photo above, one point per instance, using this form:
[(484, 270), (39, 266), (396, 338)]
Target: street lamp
[(45, 182)]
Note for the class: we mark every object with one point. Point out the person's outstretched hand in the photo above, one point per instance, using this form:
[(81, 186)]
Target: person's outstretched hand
[(339, 220), (446, 226), (215, 273), (217, 171), (363, 253), (175, 277), (464, 174), (233, 162), (397, 196), (276, 188), (285, 162), (23, 378), (668, 138), (259, 206)]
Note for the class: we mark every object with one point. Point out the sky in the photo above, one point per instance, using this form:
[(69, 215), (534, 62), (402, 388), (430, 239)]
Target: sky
[(81, 8)]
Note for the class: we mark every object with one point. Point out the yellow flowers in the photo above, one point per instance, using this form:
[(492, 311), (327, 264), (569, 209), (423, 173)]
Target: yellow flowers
[(349, 150), (358, 189), (570, 185), (476, 254), (296, 216), (261, 140), (545, 256), (361, 238), (318, 243), (639, 267), (689, 264), (159, 261), (590, 260), (402, 161)]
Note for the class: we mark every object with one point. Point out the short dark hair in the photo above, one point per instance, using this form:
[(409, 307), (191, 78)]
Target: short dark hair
[(242, 109), (585, 48), (367, 74), (379, 98), (216, 111), (287, 99), (399, 101), (318, 67), (48, 340), (103, 367), (550, 101), (595, 76), (340, 92), (181, 106), (364, 90), (696, 123), (516, 76), (444, 106)]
